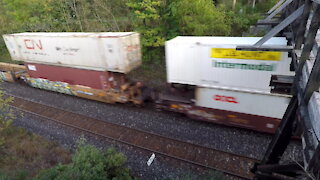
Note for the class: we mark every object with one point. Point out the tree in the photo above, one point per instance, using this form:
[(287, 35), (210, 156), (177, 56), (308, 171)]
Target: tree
[(149, 22), (156, 20), (160, 20), (200, 18)]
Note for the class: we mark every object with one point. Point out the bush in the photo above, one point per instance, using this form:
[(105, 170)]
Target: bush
[(19, 174), (6, 116), (211, 175), (89, 163)]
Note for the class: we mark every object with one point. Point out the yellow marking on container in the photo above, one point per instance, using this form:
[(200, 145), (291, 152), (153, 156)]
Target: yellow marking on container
[(175, 106), (238, 120), (251, 55), (231, 116)]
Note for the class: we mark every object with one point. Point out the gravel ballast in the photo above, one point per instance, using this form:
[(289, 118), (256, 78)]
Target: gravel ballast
[(136, 158), (235, 140)]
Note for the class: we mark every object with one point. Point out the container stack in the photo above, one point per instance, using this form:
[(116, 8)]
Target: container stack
[(95, 60), (228, 81)]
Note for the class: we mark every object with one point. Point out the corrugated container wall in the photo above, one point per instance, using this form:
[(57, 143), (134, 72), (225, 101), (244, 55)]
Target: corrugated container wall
[(267, 105), (215, 62), (75, 76), (112, 51)]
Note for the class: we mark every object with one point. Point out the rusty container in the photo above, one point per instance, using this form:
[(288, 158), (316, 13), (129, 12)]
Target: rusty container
[(74, 76)]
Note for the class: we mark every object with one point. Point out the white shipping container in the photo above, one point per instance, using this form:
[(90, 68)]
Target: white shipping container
[(214, 62), (111, 51), (260, 104)]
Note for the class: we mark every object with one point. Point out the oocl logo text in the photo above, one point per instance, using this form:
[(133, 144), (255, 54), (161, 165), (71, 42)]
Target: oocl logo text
[(228, 99)]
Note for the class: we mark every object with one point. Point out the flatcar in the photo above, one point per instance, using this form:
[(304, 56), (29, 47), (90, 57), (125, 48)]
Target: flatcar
[(208, 78), (89, 65)]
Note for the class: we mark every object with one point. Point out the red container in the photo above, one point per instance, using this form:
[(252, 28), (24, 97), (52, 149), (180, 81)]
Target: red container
[(74, 76)]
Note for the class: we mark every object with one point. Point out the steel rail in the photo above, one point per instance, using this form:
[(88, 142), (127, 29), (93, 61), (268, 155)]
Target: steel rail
[(226, 172)]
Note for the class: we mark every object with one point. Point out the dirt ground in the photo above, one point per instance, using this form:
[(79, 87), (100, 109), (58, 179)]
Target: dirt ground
[(25, 154)]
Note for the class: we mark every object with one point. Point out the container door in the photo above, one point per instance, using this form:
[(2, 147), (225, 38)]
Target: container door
[(112, 53), (131, 52), (13, 47)]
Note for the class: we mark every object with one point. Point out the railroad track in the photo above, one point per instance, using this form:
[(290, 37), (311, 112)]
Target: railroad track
[(230, 164)]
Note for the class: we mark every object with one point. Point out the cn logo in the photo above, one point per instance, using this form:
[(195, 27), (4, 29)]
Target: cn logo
[(33, 44), (227, 99)]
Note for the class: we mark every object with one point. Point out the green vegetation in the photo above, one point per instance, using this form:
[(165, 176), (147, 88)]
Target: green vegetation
[(6, 117), (25, 156), (148, 21), (211, 175), (89, 162), (200, 18), (156, 20)]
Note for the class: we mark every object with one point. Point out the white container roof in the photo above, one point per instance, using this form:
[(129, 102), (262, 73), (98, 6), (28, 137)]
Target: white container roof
[(75, 34), (227, 40)]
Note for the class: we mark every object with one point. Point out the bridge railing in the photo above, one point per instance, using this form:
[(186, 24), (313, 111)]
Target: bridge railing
[(299, 21)]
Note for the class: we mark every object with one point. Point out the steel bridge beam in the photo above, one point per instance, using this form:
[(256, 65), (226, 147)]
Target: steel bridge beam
[(297, 112), (296, 14), (276, 11), (275, 6)]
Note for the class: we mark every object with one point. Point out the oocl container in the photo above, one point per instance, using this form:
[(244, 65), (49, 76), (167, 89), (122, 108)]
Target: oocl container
[(111, 51), (259, 111), (215, 62), (247, 102)]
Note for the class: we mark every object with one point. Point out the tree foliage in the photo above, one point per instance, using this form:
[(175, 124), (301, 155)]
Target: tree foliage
[(147, 17), (199, 18), (31, 15), (160, 20), (89, 162), (156, 20)]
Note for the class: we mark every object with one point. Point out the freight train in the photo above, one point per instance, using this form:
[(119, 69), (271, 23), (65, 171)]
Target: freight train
[(208, 78)]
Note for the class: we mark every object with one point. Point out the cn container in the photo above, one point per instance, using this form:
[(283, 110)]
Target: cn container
[(111, 51), (74, 76)]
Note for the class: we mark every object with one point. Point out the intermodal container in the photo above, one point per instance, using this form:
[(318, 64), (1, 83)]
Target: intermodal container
[(251, 105), (112, 51), (74, 76), (215, 62)]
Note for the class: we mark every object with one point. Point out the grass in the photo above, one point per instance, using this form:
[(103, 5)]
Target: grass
[(25, 154), (5, 57)]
